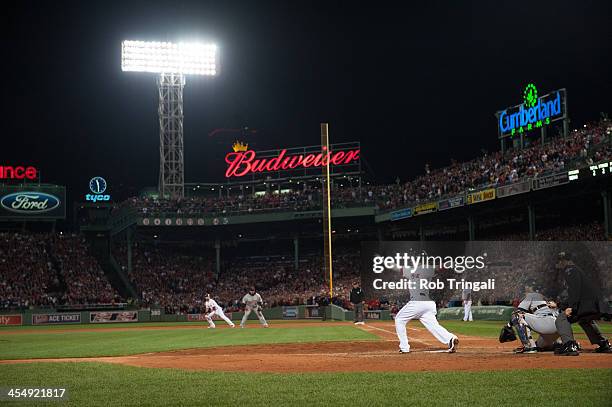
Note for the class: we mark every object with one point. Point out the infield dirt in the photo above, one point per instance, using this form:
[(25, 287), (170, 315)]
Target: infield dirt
[(474, 354)]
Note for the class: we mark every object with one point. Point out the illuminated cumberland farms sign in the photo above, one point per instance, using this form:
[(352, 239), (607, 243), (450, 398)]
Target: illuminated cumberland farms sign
[(535, 112), (243, 161)]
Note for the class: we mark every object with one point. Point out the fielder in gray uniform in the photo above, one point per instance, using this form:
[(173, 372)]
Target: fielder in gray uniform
[(534, 313), (253, 303)]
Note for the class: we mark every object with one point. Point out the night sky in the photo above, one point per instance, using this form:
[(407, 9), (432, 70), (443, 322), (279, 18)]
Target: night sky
[(414, 85)]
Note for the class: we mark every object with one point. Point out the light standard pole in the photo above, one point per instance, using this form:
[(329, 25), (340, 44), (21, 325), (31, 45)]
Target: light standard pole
[(172, 61)]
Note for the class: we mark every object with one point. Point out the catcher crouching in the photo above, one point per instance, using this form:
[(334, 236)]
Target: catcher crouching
[(534, 313)]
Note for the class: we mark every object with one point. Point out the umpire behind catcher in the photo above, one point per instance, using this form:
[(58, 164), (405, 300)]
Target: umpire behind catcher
[(357, 298), (583, 305)]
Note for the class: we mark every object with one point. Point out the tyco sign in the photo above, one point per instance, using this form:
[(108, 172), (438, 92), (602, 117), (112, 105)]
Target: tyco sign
[(97, 185)]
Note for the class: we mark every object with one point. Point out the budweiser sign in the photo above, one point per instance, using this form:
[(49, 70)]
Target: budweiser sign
[(241, 163)]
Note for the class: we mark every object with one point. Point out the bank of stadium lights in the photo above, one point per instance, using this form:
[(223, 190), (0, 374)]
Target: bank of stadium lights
[(167, 57), (172, 62)]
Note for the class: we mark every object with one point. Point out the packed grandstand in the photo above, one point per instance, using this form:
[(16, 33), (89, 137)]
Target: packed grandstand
[(51, 269)]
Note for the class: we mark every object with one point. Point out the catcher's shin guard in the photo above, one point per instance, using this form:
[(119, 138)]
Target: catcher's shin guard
[(521, 328)]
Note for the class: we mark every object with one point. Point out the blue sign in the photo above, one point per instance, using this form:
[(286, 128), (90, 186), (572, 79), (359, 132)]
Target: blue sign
[(533, 113), (30, 203), (97, 185), (401, 214)]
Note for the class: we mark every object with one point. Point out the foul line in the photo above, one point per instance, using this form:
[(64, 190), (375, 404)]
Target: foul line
[(393, 333)]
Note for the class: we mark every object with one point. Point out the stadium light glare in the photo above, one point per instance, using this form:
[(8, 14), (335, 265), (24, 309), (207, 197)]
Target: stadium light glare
[(185, 58), (172, 62)]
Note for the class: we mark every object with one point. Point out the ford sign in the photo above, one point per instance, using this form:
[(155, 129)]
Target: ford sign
[(30, 202)]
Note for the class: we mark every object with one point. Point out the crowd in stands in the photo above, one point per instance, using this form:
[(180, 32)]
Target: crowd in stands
[(82, 275), (163, 277), (580, 148), (281, 284), (289, 200), (178, 282), (593, 231), (46, 270), (49, 269), (26, 272)]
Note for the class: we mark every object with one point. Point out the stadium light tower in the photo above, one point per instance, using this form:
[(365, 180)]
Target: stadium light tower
[(172, 61)]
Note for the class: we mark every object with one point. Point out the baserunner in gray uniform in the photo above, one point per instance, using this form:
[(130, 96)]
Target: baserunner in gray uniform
[(534, 313)]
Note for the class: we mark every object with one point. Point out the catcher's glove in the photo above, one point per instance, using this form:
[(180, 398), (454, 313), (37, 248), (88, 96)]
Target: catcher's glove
[(507, 334)]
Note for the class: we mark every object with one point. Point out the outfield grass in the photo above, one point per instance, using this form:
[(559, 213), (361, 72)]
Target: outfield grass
[(96, 384), (100, 342), (253, 322)]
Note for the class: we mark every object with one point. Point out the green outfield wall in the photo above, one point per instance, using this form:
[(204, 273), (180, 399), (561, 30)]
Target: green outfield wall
[(297, 312)]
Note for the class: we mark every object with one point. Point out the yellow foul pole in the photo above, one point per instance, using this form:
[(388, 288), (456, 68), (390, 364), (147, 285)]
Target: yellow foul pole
[(327, 229)]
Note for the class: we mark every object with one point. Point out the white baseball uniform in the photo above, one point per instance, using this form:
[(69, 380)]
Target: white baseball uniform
[(252, 304), (466, 296), (420, 307), (212, 309)]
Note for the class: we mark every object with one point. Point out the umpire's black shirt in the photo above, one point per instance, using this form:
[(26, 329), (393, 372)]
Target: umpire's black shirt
[(582, 295), (356, 295)]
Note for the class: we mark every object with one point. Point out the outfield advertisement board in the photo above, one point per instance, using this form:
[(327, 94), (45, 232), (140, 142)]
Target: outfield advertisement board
[(202, 317), (480, 196), (514, 189), (106, 317), (290, 312), (425, 208), (401, 214), (451, 203), (550, 181), (50, 319), (32, 202), (11, 320)]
